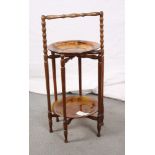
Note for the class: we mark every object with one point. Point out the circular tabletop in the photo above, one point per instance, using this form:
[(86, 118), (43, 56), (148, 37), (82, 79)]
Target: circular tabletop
[(73, 46)]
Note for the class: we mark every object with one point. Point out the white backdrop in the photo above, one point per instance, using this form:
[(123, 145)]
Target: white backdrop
[(86, 28)]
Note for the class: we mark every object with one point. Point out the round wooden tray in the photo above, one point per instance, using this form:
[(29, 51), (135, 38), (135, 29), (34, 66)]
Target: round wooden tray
[(75, 104), (73, 46)]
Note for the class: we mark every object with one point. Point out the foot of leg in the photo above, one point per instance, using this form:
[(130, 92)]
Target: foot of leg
[(65, 133), (98, 130), (50, 125), (99, 127), (57, 119), (50, 122)]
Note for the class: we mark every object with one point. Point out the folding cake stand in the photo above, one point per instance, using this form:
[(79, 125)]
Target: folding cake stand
[(80, 106)]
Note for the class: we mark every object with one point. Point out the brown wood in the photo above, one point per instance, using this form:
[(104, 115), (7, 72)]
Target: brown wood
[(53, 56), (64, 96), (75, 104), (80, 76), (73, 46), (68, 58), (99, 123), (54, 77), (46, 72), (91, 55), (100, 78), (54, 81), (101, 33), (67, 107), (69, 120), (92, 117), (102, 63), (72, 15)]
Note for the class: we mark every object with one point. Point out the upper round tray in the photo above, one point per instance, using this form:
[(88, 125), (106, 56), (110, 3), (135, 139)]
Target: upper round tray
[(75, 104), (73, 46)]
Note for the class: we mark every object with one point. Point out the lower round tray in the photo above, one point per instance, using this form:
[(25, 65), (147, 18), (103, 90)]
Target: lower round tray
[(83, 104)]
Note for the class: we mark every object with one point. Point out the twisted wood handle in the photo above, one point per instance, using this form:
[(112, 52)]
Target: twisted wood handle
[(72, 15)]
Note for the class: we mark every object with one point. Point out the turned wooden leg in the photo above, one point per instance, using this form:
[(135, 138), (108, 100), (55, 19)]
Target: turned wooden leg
[(64, 96), (102, 62), (54, 81), (65, 132), (103, 113), (50, 122), (80, 75), (102, 80), (99, 126), (100, 96), (48, 95)]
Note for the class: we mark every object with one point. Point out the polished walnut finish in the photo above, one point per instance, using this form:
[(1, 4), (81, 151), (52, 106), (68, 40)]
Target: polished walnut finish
[(73, 46), (68, 106), (75, 104)]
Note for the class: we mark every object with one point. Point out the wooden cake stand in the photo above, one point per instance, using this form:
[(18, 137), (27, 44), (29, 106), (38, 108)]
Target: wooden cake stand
[(71, 107)]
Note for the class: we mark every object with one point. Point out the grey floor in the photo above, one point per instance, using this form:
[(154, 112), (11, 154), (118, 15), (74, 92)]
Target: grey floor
[(82, 132)]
